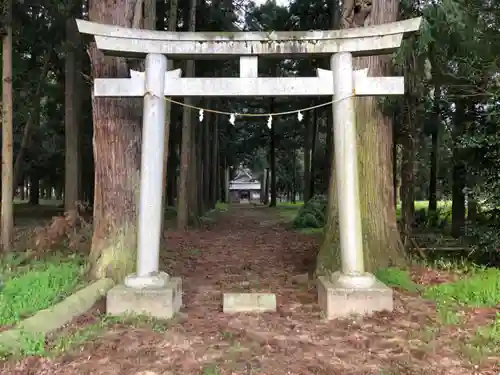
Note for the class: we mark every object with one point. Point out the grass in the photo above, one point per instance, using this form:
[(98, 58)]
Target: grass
[(27, 289), (477, 288), (397, 278), (480, 289)]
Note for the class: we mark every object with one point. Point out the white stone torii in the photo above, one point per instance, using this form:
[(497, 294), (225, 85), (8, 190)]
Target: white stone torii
[(343, 292)]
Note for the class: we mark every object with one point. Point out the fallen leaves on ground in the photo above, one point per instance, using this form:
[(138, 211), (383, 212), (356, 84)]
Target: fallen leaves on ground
[(239, 253)]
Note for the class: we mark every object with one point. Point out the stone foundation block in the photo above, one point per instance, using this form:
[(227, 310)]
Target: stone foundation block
[(337, 301), (160, 303), (249, 302)]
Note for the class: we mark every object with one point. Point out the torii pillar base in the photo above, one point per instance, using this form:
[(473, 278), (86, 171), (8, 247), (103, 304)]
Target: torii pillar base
[(161, 301), (338, 301)]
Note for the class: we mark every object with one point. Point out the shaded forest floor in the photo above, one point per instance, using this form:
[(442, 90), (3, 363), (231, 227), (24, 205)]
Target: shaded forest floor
[(250, 249)]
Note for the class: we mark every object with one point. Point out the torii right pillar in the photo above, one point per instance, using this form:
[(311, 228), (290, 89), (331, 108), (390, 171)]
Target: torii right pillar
[(350, 290)]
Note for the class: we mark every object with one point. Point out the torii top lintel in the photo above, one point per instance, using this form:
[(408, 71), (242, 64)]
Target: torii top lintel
[(128, 42)]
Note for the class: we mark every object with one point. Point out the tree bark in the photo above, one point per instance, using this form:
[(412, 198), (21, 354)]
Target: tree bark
[(215, 162), (208, 142), (183, 209), (117, 140), (272, 157), (8, 182), (382, 242), (308, 130), (171, 26), (313, 152), (409, 142), (72, 168), (459, 173), (196, 173), (436, 112), (34, 198)]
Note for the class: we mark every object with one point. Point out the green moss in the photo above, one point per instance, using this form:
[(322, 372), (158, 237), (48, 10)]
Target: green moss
[(116, 258)]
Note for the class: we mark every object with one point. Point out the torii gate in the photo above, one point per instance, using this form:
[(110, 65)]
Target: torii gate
[(351, 290)]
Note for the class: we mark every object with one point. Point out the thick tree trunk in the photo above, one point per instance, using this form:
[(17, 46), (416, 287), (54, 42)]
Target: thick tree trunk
[(382, 242), (272, 158), (117, 140), (8, 175), (171, 26), (186, 176), (72, 168)]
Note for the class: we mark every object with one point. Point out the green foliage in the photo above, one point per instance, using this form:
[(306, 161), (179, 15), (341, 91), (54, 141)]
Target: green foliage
[(481, 289), (397, 278), (312, 214), (36, 288)]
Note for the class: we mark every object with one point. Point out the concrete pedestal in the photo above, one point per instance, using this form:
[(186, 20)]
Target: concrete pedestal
[(161, 302), (248, 302), (338, 301)]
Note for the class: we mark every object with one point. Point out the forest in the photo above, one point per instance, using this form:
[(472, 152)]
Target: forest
[(429, 176)]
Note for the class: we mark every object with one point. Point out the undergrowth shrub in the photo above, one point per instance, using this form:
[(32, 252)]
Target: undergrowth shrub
[(69, 233), (312, 214)]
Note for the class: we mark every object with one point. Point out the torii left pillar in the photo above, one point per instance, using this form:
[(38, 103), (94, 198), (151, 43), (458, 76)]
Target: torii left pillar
[(149, 291)]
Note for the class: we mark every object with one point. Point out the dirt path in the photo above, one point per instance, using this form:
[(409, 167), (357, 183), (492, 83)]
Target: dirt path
[(248, 250)]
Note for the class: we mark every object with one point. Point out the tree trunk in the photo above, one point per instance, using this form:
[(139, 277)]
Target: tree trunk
[(434, 151), (272, 157), (313, 151), (171, 26), (33, 118), (408, 170), (195, 177), (7, 214), (329, 149), (459, 172), (409, 142), (117, 140), (72, 169), (382, 242), (215, 161), (266, 186), (308, 130), (161, 12), (34, 198), (183, 209), (208, 142), (294, 180), (22, 191), (395, 167)]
